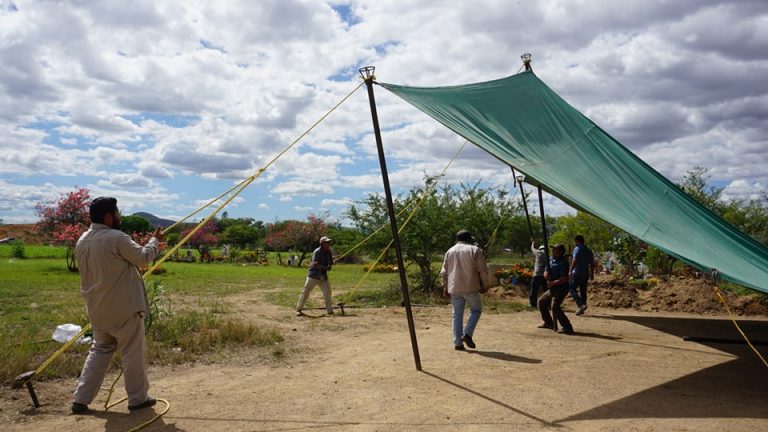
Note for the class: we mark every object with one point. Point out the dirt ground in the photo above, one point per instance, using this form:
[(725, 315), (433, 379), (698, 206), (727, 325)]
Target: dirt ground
[(624, 370)]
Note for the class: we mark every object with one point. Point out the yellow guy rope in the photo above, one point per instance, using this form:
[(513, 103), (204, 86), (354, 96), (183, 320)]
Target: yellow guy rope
[(237, 190), (492, 239), (410, 216), (363, 241), (242, 185), (719, 295), (204, 206)]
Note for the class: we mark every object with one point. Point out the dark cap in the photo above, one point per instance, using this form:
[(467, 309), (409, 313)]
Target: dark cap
[(464, 235)]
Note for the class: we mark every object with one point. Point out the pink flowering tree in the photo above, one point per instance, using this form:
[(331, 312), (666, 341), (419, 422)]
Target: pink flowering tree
[(65, 220), (298, 236), (205, 236)]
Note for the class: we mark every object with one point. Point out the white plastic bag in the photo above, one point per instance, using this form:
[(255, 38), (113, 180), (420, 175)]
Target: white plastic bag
[(65, 332)]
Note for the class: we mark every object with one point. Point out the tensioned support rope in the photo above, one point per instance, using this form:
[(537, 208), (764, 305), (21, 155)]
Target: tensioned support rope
[(242, 186), (235, 191), (363, 241), (204, 206), (719, 295), (320, 120), (421, 199), (492, 239)]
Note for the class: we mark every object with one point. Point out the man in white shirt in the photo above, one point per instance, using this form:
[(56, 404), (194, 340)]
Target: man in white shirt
[(465, 276), (114, 294)]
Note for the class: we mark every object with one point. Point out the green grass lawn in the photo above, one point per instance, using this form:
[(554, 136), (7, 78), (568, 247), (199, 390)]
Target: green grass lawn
[(38, 294)]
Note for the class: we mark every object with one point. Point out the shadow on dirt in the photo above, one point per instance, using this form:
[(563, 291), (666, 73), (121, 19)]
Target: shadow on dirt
[(490, 399), (505, 357), (734, 389)]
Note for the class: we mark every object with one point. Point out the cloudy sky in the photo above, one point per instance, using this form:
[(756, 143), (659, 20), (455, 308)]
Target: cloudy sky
[(165, 105)]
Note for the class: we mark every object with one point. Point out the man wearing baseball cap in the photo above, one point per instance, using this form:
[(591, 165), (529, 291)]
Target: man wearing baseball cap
[(317, 274)]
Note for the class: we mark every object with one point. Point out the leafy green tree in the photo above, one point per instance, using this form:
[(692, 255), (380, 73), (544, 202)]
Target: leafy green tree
[(599, 235), (240, 235), (694, 183), (748, 215), (135, 224), (441, 212), (344, 239), (630, 252), (658, 262)]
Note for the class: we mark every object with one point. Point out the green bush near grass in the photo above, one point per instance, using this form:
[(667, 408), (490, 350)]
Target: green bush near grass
[(17, 250)]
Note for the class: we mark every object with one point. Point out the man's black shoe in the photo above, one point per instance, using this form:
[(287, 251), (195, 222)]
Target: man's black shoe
[(467, 339), (459, 348), (78, 408), (567, 331), (146, 404), (547, 326)]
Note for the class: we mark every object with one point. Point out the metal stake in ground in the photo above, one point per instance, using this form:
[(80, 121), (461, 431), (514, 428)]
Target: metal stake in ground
[(367, 74)]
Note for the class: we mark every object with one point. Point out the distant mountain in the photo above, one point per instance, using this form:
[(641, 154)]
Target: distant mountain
[(154, 220)]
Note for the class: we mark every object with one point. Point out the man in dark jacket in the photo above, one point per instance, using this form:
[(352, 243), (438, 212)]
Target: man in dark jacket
[(557, 285)]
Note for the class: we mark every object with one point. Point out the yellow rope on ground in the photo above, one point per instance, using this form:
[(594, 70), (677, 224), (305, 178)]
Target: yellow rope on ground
[(421, 199), (720, 297), (167, 408)]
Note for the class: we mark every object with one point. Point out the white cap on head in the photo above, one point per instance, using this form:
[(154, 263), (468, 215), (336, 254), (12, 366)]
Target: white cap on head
[(324, 239)]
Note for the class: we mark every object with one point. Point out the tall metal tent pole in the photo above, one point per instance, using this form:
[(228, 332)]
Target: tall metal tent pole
[(519, 180), (543, 226), (367, 74)]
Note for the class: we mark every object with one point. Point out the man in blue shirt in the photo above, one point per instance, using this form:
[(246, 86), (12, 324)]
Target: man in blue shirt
[(557, 286), (322, 261), (582, 269)]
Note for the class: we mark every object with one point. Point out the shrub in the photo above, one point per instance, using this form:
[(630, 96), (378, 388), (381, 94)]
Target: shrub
[(17, 251), (658, 262), (644, 284)]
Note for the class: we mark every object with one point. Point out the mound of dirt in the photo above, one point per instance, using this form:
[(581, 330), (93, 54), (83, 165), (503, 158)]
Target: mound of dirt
[(674, 294), (26, 233)]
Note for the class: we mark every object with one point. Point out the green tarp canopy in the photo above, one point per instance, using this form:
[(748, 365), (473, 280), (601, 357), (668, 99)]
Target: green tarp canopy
[(525, 124)]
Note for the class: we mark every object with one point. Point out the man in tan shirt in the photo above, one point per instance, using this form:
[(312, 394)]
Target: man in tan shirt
[(116, 300), (465, 274)]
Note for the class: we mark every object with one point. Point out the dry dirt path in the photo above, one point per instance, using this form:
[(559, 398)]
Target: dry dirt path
[(622, 371)]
